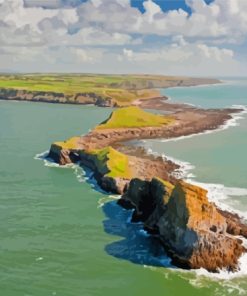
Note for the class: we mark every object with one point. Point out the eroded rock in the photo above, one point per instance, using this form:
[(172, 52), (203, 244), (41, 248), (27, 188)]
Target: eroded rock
[(191, 228)]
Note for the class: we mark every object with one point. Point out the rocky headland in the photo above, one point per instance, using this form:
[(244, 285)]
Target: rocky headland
[(193, 231)]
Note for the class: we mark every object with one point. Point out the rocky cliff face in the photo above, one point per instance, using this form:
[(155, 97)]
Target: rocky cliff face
[(191, 228), (55, 97), (141, 166)]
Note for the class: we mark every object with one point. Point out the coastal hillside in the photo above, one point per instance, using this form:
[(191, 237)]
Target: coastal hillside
[(100, 90), (192, 230), (133, 116)]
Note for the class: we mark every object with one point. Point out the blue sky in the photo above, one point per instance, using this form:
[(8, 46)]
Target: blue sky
[(175, 37), (166, 5)]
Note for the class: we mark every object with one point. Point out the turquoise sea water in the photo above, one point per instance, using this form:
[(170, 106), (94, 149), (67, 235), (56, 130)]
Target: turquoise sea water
[(61, 237)]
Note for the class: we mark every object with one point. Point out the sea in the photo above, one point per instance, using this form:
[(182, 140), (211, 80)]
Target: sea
[(61, 235)]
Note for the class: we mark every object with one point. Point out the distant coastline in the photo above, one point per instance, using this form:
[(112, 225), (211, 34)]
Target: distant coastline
[(99, 90)]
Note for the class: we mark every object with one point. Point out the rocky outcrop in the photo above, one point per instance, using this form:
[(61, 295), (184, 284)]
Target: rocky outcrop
[(235, 225), (148, 199), (192, 230), (139, 164)]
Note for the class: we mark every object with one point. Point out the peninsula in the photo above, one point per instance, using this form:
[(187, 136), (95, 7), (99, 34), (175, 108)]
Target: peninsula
[(194, 232), (98, 89)]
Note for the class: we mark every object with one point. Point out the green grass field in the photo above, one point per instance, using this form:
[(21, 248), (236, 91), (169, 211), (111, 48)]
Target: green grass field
[(112, 163), (134, 117)]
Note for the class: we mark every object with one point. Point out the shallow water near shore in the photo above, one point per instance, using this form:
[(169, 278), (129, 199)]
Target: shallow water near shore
[(61, 237)]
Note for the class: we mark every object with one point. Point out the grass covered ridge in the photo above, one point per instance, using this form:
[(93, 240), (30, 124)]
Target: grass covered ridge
[(69, 144), (108, 161), (111, 163), (134, 117)]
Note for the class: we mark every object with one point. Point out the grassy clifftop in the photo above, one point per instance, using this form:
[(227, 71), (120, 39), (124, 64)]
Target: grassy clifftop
[(71, 143), (120, 90), (108, 161), (133, 116), (111, 163)]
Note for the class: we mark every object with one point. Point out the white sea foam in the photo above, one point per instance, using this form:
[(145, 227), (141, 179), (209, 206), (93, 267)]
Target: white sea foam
[(219, 194), (39, 259), (184, 170), (51, 163), (106, 199)]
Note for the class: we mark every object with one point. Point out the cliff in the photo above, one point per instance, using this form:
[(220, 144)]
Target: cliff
[(112, 169), (56, 97), (192, 230)]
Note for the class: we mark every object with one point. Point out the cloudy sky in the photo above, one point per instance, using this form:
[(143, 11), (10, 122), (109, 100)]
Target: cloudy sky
[(178, 37)]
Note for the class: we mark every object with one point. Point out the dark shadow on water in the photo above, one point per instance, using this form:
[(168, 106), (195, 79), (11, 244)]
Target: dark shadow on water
[(89, 178), (136, 246)]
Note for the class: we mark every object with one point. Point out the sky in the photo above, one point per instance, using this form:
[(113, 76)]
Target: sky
[(169, 37)]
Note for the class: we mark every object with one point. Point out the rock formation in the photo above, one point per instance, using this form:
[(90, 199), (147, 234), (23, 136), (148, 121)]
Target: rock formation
[(192, 230)]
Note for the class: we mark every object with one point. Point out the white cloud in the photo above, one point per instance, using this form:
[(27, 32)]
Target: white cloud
[(185, 58), (128, 53), (151, 9), (87, 56), (214, 53), (219, 19), (100, 31)]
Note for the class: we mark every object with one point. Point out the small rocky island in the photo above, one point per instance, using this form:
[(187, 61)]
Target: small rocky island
[(194, 232)]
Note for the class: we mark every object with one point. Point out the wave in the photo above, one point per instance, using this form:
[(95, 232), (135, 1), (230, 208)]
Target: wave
[(234, 121), (102, 201), (82, 174), (220, 194), (50, 162), (217, 193)]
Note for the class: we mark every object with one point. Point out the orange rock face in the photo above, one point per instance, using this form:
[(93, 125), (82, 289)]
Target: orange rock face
[(192, 230), (195, 232)]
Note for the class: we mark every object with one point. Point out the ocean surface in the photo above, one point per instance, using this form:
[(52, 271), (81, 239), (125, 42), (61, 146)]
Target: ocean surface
[(59, 236)]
